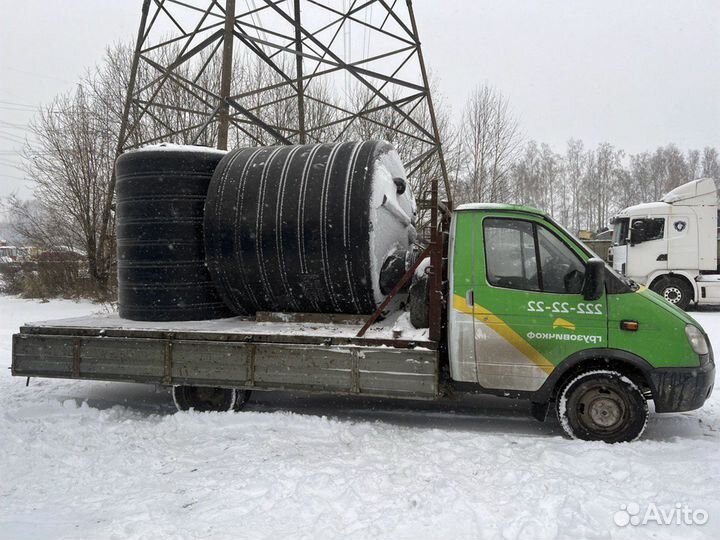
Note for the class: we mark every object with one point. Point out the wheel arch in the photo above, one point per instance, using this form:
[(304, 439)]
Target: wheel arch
[(631, 365)]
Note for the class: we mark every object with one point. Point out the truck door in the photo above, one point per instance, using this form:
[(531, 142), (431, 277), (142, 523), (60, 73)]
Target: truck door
[(528, 310), (461, 335), (683, 242), (649, 254)]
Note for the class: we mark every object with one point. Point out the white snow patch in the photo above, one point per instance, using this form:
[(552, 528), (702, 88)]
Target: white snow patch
[(170, 147), (241, 325), (392, 218)]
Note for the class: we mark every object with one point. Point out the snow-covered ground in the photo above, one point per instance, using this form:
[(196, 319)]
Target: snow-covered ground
[(87, 460)]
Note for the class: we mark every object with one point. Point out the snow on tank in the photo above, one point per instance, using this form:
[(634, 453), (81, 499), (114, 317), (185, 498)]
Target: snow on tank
[(172, 147)]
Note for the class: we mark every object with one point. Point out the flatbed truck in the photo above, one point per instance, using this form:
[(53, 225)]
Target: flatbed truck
[(525, 310)]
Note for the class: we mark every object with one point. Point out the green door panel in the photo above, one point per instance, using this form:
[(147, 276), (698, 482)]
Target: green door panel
[(521, 335), (517, 330)]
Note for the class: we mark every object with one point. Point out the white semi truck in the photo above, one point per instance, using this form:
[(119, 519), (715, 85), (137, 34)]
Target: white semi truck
[(671, 246)]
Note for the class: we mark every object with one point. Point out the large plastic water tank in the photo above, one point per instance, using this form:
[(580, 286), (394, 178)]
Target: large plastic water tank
[(306, 228), (160, 199)]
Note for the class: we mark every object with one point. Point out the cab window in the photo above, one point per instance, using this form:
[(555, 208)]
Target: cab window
[(526, 256), (654, 228), (621, 228), (510, 254), (562, 271)]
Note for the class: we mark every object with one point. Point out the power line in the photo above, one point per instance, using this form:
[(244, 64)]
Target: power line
[(16, 103), (19, 109), (9, 164), (34, 74), (14, 124), (14, 177), (12, 138)]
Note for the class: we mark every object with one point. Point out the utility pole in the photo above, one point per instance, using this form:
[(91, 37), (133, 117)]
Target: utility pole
[(226, 76)]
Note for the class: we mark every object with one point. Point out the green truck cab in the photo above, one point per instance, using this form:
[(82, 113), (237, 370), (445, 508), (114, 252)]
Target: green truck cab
[(533, 313)]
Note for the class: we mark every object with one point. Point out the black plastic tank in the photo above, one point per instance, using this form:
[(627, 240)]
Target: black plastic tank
[(307, 228), (160, 197)]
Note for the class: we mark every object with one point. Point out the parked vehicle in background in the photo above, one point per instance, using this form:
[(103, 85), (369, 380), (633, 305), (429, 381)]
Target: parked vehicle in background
[(671, 246), (601, 243)]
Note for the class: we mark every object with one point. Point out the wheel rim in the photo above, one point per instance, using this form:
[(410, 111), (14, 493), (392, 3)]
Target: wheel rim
[(602, 410), (605, 412), (672, 295)]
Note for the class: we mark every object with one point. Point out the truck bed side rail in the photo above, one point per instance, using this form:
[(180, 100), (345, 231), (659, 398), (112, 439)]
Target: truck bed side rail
[(344, 369)]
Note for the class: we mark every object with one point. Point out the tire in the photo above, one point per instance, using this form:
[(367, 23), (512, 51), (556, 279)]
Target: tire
[(419, 302), (674, 290), (207, 399), (602, 405)]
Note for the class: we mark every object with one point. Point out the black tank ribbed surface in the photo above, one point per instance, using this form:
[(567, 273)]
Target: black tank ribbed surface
[(162, 274), (287, 228)]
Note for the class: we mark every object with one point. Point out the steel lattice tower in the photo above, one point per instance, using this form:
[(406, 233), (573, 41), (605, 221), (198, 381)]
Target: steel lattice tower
[(259, 72)]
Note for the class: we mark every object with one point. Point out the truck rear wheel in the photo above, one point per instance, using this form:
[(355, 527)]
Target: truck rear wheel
[(207, 398), (674, 290), (602, 405), (419, 301)]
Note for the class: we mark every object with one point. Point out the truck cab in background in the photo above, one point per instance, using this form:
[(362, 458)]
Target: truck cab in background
[(671, 246)]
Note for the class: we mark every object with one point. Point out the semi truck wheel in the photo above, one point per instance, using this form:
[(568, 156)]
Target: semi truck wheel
[(602, 405), (207, 398), (674, 290)]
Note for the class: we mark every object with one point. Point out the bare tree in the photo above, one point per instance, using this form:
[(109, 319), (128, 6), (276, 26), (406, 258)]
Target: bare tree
[(70, 163), (574, 167), (711, 164), (526, 176), (489, 141)]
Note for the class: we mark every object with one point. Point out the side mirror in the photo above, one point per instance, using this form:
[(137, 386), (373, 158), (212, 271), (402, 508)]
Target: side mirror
[(594, 284), (637, 232)]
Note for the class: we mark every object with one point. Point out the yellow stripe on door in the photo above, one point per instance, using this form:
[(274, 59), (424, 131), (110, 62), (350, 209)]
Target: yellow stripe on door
[(501, 328)]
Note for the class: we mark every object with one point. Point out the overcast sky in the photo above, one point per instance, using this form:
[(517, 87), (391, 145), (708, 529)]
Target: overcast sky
[(637, 74)]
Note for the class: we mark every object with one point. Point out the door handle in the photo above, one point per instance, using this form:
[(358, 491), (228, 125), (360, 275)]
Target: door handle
[(470, 297)]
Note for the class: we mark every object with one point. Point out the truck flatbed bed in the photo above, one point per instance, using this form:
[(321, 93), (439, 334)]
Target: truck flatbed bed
[(393, 359)]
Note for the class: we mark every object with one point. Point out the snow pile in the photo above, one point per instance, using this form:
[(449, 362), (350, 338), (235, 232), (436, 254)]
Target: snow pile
[(243, 325), (103, 460), (171, 147)]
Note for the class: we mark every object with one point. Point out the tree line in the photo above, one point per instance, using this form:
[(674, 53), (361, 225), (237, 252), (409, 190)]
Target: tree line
[(581, 187), (70, 156)]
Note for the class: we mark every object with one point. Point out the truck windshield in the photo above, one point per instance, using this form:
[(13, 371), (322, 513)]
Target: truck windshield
[(620, 231), (621, 283)]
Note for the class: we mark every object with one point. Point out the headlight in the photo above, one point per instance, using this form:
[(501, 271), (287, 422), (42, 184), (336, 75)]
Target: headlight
[(696, 339)]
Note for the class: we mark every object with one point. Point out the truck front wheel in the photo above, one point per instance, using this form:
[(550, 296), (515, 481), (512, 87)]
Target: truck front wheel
[(207, 398), (674, 290), (602, 405)]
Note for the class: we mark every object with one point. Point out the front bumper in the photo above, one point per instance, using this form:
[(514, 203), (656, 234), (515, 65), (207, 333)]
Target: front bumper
[(681, 389)]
